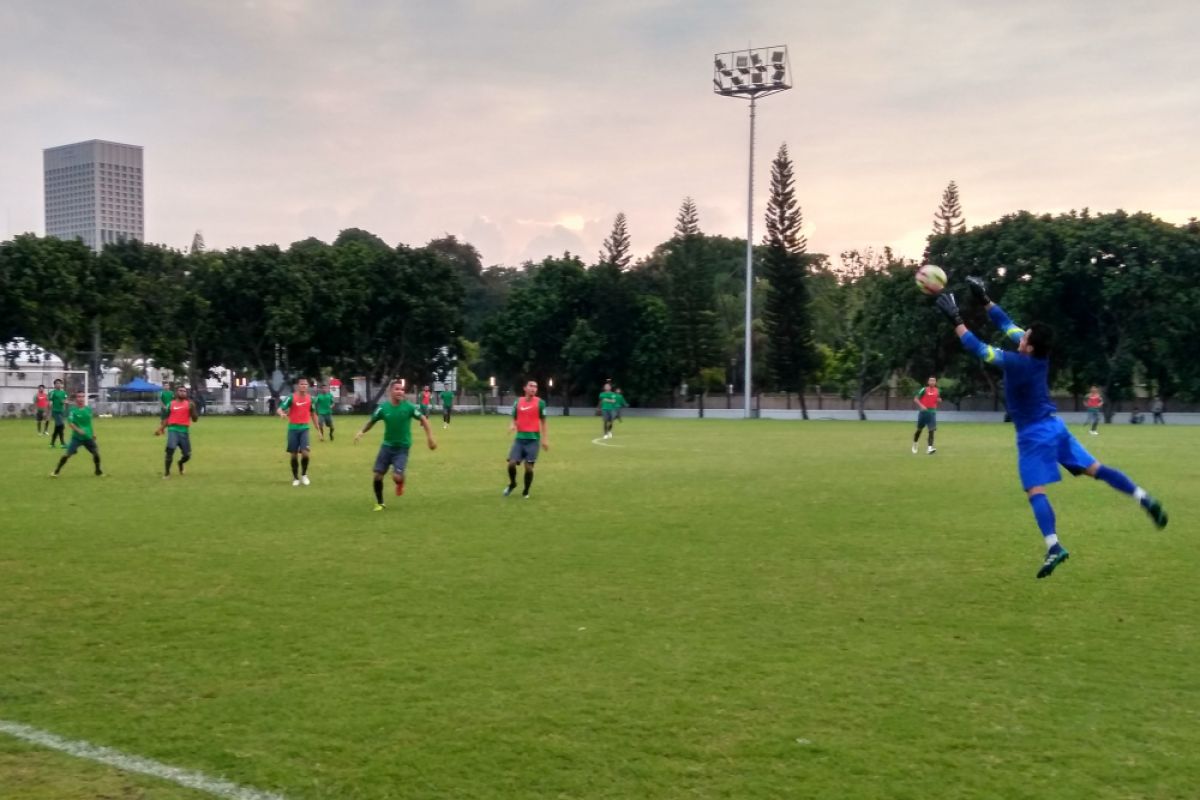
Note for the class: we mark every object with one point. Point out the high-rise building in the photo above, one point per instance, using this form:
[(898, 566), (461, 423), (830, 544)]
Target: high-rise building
[(94, 192)]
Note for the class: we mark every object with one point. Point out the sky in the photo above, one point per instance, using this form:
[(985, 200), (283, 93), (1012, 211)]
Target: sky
[(525, 126)]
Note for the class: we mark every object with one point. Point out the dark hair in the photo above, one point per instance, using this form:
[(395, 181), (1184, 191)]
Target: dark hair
[(1041, 339), (41, 386)]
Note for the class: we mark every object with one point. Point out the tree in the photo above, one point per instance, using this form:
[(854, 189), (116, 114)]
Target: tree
[(949, 217), (791, 353), (695, 336), (616, 246)]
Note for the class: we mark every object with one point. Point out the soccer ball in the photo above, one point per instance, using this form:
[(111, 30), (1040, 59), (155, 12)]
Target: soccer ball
[(931, 280)]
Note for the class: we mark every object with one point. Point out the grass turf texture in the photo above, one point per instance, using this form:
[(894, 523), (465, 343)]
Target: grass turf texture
[(708, 609)]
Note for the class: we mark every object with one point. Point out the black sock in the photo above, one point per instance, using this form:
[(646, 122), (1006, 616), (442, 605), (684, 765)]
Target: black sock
[(304, 465), (917, 436), (61, 461), (931, 438), (331, 431), (167, 462), (295, 469), (528, 480), (183, 461), (378, 484), (512, 476), (96, 461)]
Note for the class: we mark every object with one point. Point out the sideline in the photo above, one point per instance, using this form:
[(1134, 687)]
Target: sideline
[(130, 763)]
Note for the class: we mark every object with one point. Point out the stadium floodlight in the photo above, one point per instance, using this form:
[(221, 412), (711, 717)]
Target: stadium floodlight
[(752, 62)]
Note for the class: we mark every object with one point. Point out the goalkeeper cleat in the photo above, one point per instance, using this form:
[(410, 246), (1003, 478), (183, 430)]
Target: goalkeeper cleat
[(1053, 558), (1156, 512)]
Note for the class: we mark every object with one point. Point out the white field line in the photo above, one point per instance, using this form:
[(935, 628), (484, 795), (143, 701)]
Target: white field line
[(600, 441), (123, 761)]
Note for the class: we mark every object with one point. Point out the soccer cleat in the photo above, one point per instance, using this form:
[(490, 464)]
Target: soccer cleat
[(1053, 559), (1094, 433), (508, 490), (167, 477), (1156, 512), (296, 482), (53, 474), (100, 474), (379, 507), (304, 480), (931, 450), (914, 448), (524, 495)]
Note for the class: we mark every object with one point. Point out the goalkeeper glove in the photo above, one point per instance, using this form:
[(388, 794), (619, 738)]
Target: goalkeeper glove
[(949, 306), (979, 289)]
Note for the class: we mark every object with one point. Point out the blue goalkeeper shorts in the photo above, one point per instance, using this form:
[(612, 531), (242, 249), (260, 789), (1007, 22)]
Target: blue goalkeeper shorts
[(1043, 447)]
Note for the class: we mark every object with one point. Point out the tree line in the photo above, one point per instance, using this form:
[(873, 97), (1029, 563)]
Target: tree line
[(1121, 289)]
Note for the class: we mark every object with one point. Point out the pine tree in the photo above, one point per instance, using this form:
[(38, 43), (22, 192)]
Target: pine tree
[(688, 221), (616, 246), (197, 243), (949, 217), (691, 292), (791, 353)]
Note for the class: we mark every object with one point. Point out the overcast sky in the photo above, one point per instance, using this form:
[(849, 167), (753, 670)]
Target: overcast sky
[(524, 126)]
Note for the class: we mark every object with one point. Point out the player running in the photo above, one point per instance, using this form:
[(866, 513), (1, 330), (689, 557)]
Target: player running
[(397, 415), (41, 406), (1043, 441), (323, 402), (529, 422), (58, 411), (1094, 403), (927, 402), (608, 409), (298, 410), (426, 401), (82, 435), (622, 403), (181, 413), (447, 406), (165, 397)]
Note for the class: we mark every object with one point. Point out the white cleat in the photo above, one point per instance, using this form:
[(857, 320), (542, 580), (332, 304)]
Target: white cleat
[(1094, 433), (304, 480), (931, 450), (914, 448), (296, 482)]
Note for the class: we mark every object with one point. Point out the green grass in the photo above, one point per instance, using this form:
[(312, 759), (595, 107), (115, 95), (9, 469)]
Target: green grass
[(708, 610)]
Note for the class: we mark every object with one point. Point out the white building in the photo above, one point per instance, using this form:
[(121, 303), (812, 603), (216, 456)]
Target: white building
[(94, 192)]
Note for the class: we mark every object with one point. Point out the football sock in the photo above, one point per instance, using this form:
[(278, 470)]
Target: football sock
[(378, 485), (917, 436), (96, 461), (331, 431), (295, 468), (1117, 480), (61, 461), (512, 476), (528, 480), (183, 460), (1044, 514), (304, 465), (931, 437), (167, 462)]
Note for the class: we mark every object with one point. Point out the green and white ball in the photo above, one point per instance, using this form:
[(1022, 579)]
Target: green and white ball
[(931, 280)]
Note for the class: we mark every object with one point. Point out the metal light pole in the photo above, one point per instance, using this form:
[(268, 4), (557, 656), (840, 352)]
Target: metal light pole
[(743, 74)]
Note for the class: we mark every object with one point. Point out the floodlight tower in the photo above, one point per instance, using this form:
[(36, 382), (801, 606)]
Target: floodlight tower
[(744, 74)]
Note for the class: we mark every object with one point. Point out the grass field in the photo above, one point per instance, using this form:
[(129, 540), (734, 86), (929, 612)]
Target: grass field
[(707, 609)]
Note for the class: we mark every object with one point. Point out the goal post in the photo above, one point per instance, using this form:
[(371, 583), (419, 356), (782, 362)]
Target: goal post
[(18, 386)]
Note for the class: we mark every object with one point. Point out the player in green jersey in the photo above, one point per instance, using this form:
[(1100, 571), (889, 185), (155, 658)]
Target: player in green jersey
[(323, 407), (58, 410), (397, 415), (621, 402), (82, 435), (165, 397), (608, 409)]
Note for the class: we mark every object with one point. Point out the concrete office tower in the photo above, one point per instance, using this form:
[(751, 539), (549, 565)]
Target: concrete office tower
[(94, 192)]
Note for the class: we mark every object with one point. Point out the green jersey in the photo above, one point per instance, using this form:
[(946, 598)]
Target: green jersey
[(324, 403), (447, 398), (620, 400), (166, 396), (608, 401), (81, 418), (58, 401), (397, 422)]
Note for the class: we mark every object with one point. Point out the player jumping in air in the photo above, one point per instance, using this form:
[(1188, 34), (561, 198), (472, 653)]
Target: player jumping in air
[(927, 402), (58, 411), (447, 406), (323, 403), (80, 420), (397, 415), (1043, 441), (529, 423), (298, 410), (1094, 403), (608, 409), (181, 413), (41, 405)]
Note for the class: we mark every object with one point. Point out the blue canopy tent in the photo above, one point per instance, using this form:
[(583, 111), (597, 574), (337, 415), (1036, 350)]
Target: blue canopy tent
[(139, 384)]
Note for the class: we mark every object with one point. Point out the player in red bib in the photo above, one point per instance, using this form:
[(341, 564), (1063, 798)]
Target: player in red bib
[(181, 413), (298, 410), (41, 404), (529, 423), (1094, 403), (927, 403)]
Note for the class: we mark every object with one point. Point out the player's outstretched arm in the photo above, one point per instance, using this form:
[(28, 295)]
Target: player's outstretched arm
[(995, 313), (970, 342)]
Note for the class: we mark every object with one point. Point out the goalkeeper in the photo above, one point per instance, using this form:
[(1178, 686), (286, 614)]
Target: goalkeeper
[(1043, 441)]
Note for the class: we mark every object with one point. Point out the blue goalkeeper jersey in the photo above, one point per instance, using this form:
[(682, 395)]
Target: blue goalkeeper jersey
[(1026, 379)]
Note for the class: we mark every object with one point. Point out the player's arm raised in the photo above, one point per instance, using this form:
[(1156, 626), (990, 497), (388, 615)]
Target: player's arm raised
[(995, 313), (970, 342)]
